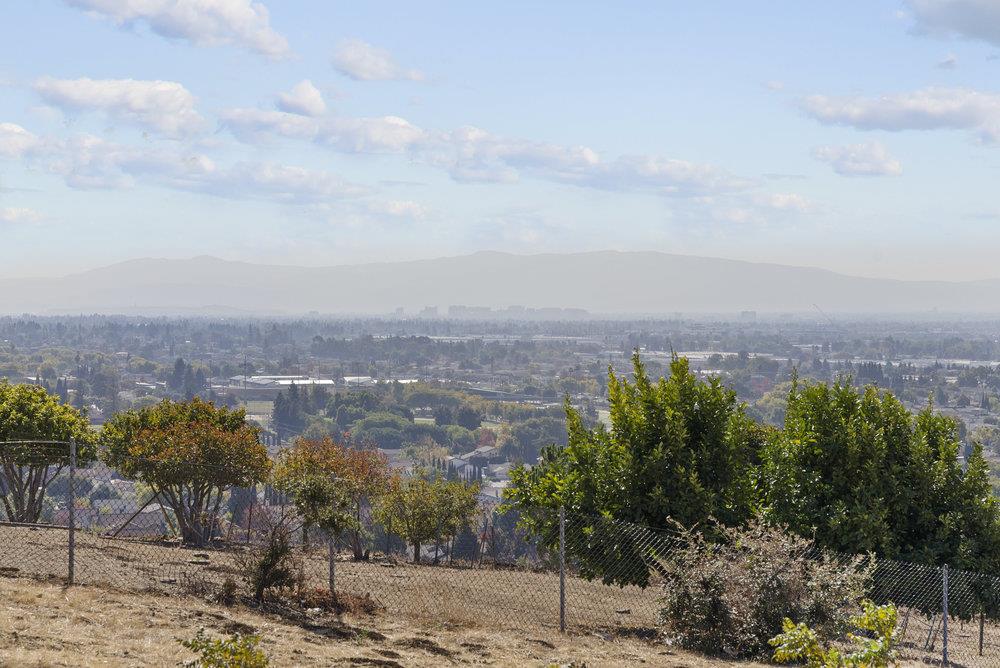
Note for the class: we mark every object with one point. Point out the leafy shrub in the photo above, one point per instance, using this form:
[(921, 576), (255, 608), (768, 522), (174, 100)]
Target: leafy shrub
[(227, 593), (272, 565), (236, 651), (799, 643), (732, 596)]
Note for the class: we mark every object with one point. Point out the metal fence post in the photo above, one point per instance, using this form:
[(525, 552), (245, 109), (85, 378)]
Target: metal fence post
[(71, 503), (944, 614), (562, 569)]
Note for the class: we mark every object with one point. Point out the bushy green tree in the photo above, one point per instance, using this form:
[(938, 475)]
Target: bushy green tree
[(678, 449), (426, 507), (856, 469), (28, 412)]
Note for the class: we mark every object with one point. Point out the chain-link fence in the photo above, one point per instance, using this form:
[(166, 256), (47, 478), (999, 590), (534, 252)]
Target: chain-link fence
[(85, 523)]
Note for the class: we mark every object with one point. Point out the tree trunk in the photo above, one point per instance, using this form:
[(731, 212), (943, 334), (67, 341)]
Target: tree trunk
[(356, 545), (416, 552), (24, 490)]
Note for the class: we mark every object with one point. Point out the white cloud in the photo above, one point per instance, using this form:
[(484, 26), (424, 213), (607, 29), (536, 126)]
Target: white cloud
[(868, 159), (256, 125), (666, 176), (283, 183), (926, 109), (19, 215), (304, 99), (15, 140), (758, 209), (973, 19), (470, 154), (386, 134), (90, 162), (398, 209), (361, 61), (201, 22), (164, 106), (788, 202)]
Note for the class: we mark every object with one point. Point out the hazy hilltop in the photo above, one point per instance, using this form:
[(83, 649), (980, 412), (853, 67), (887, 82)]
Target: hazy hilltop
[(606, 282)]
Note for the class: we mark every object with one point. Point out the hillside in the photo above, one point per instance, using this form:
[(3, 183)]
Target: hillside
[(44, 624), (602, 282)]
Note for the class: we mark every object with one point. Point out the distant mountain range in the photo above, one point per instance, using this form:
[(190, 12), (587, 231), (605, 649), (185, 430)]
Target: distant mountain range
[(606, 282)]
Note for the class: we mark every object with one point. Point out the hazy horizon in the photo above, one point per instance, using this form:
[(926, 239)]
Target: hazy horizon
[(432, 257), (647, 282), (857, 137)]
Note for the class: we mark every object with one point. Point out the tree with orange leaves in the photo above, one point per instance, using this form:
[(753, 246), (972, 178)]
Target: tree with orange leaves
[(354, 477)]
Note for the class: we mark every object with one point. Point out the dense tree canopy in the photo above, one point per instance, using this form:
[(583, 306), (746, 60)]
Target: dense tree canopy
[(333, 483), (427, 507), (852, 468), (29, 413), (190, 453), (858, 470), (677, 449)]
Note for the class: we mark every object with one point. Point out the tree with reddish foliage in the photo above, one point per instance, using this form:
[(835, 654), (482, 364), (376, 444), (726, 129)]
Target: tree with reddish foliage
[(361, 473), (190, 453)]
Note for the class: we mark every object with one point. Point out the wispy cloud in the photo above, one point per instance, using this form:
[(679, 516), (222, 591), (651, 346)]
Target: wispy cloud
[(14, 216), (90, 162), (361, 61), (470, 154), (926, 109), (868, 159), (241, 23), (399, 209)]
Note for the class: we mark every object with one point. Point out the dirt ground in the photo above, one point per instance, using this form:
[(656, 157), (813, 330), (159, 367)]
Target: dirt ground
[(48, 624), (502, 597)]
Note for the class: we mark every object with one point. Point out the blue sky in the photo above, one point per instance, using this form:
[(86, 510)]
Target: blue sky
[(861, 136)]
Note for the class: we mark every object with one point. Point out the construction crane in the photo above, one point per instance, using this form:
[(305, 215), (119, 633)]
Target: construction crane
[(823, 313)]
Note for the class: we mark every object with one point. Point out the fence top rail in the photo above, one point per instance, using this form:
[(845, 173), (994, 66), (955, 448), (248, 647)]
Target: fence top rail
[(33, 441)]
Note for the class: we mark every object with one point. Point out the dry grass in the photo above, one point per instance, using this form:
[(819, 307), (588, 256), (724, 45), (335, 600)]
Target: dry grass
[(501, 616), (509, 598), (47, 624)]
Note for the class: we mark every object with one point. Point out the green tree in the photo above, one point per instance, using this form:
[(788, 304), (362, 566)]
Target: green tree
[(858, 471), (444, 415), (29, 413), (679, 449), (190, 453), (940, 396), (468, 417), (427, 507)]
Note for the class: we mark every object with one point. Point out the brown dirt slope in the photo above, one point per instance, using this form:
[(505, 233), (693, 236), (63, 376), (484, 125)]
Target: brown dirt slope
[(47, 624)]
